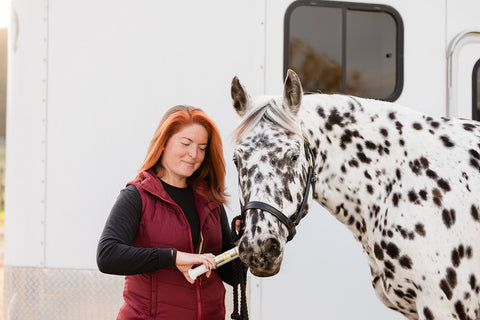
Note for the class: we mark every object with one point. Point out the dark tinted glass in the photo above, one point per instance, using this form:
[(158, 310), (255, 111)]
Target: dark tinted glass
[(345, 48), (315, 48), (370, 54)]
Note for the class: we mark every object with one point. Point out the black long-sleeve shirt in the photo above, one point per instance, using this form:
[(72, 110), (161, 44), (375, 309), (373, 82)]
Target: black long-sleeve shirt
[(115, 253)]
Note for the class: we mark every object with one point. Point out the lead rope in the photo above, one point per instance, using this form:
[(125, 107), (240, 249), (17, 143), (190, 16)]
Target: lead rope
[(239, 277)]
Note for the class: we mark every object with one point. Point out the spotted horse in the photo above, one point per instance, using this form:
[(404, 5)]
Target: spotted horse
[(407, 185)]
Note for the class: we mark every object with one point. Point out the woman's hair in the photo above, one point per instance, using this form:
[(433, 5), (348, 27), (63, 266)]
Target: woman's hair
[(212, 169)]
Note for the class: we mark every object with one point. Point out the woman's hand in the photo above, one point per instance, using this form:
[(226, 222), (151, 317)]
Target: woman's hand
[(185, 261)]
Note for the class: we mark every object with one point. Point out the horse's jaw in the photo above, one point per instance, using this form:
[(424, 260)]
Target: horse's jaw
[(264, 273), (265, 270)]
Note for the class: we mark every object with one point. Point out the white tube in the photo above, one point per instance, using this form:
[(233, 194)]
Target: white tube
[(220, 260)]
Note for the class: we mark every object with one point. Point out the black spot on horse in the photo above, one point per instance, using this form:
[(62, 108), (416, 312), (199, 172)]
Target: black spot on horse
[(370, 145), (447, 142), (437, 197), (455, 258), (428, 314), (451, 278), (398, 174), (392, 250), (334, 119), (259, 177), (423, 194), (420, 229), (444, 185), (446, 289), (424, 161), (448, 217), (378, 251), (472, 281), (468, 252), (390, 266), (369, 189), (384, 132), (345, 139), (367, 175), (395, 198), (435, 124), (412, 196), (468, 126), (431, 174), (399, 127), (363, 158), (474, 153), (474, 163), (417, 126), (353, 163), (460, 309), (321, 112), (405, 262)]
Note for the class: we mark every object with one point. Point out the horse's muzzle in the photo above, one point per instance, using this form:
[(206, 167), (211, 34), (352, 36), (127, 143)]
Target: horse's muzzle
[(263, 257)]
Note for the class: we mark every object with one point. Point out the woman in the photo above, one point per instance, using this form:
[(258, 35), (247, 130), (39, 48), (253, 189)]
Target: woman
[(169, 219)]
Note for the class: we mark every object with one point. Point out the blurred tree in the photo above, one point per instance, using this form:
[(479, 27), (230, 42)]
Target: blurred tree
[(320, 73)]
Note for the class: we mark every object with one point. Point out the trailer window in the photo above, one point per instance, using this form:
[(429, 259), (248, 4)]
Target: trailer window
[(340, 47), (476, 91)]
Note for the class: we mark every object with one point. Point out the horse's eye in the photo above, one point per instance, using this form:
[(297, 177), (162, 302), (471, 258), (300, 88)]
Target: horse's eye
[(294, 158)]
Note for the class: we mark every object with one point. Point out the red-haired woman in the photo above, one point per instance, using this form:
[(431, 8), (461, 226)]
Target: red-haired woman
[(167, 220)]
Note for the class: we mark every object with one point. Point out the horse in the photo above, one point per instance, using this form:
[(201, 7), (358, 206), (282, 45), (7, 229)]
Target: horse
[(406, 185)]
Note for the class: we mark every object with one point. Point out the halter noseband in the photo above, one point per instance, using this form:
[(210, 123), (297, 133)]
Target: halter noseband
[(294, 219)]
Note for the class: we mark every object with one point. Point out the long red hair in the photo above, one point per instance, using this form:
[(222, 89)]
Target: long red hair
[(212, 169)]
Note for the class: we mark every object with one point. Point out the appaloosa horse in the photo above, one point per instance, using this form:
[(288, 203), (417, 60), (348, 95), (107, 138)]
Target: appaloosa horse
[(407, 185)]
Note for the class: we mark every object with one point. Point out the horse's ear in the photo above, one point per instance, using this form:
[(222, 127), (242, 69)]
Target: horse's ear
[(240, 98), (292, 92)]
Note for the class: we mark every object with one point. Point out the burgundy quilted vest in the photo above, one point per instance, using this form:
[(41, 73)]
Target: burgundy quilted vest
[(166, 294)]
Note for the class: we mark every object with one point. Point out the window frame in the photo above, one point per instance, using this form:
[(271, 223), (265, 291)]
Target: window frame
[(475, 75), (399, 64)]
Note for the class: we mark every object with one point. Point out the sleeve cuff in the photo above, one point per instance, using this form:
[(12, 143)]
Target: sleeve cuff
[(174, 256)]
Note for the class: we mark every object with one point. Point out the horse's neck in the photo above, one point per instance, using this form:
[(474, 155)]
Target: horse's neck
[(342, 184)]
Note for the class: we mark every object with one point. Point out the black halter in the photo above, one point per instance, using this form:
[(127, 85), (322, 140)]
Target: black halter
[(294, 219)]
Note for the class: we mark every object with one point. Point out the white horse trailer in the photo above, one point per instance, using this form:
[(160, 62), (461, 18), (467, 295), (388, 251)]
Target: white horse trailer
[(88, 82)]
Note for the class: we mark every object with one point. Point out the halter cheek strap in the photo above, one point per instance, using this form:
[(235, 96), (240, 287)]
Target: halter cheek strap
[(294, 219)]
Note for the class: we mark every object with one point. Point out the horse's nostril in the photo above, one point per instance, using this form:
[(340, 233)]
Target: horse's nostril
[(254, 260), (272, 248)]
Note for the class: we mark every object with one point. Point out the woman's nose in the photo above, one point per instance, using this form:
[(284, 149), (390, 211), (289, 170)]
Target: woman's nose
[(193, 152)]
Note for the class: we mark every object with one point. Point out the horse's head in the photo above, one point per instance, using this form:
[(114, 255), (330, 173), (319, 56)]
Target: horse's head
[(273, 163)]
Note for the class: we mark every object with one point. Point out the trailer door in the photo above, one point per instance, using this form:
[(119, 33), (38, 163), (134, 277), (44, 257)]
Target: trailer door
[(463, 75)]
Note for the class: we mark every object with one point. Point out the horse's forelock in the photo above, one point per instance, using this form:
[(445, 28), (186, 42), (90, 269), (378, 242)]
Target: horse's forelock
[(270, 112)]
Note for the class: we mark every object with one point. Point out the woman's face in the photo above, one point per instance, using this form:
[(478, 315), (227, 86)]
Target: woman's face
[(183, 154)]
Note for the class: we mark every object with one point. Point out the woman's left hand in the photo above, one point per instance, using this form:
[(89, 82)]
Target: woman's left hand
[(185, 261)]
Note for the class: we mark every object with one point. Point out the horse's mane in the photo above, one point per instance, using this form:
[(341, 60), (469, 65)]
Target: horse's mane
[(270, 112)]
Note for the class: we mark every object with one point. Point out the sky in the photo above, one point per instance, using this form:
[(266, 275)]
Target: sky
[(4, 13)]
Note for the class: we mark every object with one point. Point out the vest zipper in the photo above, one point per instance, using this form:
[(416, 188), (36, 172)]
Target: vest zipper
[(200, 244), (199, 302)]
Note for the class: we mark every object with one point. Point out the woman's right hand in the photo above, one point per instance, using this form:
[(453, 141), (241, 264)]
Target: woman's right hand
[(185, 261)]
